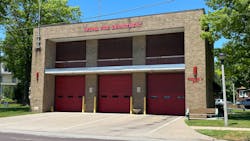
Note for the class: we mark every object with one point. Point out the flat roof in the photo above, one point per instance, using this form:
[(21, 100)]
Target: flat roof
[(183, 11)]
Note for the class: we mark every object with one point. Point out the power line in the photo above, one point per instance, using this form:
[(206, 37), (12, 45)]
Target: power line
[(99, 8), (132, 9), (38, 38), (188, 18), (124, 11)]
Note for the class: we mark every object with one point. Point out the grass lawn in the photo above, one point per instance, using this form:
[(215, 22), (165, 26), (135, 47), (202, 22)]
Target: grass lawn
[(218, 123), (14, 110), (227, 135), (238, 118), (13, 106), (14, 113)]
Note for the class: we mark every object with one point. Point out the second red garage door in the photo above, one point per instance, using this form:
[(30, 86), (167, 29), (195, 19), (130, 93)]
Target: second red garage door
[(114, 93), (69, 92), (166, 94)]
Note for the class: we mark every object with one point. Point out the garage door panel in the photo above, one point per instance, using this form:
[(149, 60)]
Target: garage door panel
[(59, 102), (154, 107), (114, 93), (69, 92), (165, 94), (114, 105)]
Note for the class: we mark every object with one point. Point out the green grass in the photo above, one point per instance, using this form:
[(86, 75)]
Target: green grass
[(240, 115), (12, 106), (13, 113), (227, 135), (239, 118), (14, 110), (219, 123)]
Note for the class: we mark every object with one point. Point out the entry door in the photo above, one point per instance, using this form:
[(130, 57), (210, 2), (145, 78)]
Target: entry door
[(69, 92), (166, 94), (114, 93)]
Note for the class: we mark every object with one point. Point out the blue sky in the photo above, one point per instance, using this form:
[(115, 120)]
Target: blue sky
[(93, 8)]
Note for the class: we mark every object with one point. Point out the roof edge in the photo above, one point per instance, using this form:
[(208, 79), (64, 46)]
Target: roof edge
[(183, 11)]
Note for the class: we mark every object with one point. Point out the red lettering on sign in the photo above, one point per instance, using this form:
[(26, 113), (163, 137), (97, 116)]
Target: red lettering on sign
[(90, 29), (105, 27), (113, 27), (195, 80)]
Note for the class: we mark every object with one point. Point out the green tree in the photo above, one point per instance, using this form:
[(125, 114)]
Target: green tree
[(230, 19), (21, 18), (3, 6)]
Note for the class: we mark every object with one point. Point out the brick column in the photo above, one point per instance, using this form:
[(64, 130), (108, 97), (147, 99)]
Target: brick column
[(195, 55), (49, 80), (139, 90), (139, 50), (90, 91), (139, 79), (91, 53), (91, 80)]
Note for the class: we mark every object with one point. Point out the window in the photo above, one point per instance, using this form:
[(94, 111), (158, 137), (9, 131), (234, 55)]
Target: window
[(115, 52), (165, 48), (70, 54), (243, 93), (13, 80)]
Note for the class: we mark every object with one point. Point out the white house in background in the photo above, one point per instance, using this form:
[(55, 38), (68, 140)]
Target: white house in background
[(243, 93), (8, 82)]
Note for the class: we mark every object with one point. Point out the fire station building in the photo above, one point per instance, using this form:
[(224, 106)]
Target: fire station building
[(156, 64)]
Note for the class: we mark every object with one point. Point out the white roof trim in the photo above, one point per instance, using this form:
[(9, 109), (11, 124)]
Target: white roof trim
[(117, 69)]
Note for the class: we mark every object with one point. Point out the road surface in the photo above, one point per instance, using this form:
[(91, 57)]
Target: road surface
[(22, 137)]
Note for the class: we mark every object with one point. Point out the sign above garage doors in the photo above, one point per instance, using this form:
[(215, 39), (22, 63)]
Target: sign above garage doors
[(113, 27)]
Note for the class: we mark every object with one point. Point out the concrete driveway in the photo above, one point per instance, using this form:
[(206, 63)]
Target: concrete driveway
[(102, 126)]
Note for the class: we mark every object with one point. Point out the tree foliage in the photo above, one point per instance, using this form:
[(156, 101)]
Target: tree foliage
[(230, 19), (3, 6), (21, 16)]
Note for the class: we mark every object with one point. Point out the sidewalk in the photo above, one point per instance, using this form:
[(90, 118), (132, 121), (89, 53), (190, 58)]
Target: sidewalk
[(220, 128)]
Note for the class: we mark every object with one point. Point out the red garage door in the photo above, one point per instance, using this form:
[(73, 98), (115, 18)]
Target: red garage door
[(166, 94), (69, 92), (114, 93)]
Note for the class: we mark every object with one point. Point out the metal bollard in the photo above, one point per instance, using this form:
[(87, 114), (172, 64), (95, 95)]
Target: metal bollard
[(145, 106), (83, 104), (131, 105), (94, 110)]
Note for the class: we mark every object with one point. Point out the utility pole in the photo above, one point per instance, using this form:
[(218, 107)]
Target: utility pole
[(1, 89), (233, 94), (38, 42), (222, 57), (99, 9)]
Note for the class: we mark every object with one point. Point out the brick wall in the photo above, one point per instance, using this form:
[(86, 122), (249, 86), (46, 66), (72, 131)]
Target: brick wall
[(198, 95)]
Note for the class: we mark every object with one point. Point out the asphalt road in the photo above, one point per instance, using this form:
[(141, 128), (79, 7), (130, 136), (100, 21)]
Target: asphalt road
[(22, 137)]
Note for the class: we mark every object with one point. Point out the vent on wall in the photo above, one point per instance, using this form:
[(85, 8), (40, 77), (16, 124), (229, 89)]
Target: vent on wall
[(38, 42)]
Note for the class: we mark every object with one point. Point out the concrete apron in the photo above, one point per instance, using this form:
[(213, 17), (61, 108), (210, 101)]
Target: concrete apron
[(102, 126)]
